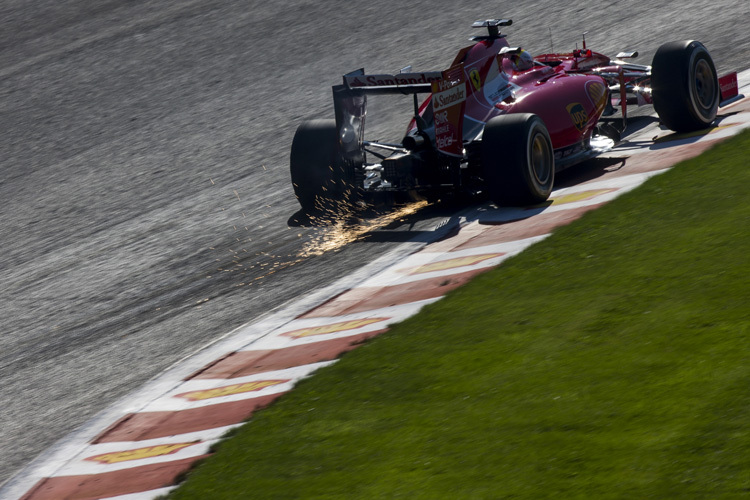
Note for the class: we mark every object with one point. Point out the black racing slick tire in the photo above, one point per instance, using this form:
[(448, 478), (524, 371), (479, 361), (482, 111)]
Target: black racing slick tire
[(684, 86), (518, 162), (319, 182)]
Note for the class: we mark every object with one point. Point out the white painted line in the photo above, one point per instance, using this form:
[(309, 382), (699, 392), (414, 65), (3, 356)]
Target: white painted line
[(144, 495)]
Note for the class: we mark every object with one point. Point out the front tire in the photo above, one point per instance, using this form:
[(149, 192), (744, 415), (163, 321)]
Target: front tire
[(320, 182), (684, 86), (517, 159)]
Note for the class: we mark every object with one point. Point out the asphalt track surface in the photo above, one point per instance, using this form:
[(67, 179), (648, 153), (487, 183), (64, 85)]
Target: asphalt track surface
[(144, 186)]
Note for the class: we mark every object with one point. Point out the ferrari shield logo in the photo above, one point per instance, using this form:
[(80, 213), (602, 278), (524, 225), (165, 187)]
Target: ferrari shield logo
[(578, 114), (476, 80)]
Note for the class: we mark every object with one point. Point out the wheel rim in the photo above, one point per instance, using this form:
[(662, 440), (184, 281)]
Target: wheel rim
[(540, 159), (704, 85)]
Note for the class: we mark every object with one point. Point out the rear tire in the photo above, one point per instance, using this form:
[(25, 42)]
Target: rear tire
[(320, 182), (518, 161), (684, 86)]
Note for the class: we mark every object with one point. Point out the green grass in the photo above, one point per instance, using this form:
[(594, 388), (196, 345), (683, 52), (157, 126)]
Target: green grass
[(608, 361)]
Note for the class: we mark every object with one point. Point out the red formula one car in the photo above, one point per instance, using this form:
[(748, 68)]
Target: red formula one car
[(498, 121)]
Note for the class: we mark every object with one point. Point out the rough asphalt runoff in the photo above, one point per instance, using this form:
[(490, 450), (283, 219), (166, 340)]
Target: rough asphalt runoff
[(144, 186)]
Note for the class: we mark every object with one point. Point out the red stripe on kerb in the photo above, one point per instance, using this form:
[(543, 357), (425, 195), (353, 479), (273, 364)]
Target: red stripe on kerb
[(368, 299), (243, 363), (110, 484), (159, 424)]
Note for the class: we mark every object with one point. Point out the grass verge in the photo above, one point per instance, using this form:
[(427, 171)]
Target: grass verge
[(608, 361)]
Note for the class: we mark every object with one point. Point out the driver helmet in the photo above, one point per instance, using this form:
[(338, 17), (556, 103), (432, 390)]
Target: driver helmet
[(522, 60)]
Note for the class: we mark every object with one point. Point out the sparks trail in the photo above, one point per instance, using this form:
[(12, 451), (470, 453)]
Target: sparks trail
[(348, 228)]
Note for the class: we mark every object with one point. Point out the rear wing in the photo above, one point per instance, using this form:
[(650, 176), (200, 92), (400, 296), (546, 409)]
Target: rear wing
[(350, 105)]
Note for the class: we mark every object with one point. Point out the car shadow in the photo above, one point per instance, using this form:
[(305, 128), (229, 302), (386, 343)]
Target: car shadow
[(587, 171)]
